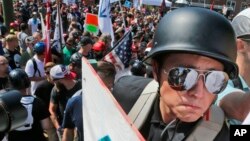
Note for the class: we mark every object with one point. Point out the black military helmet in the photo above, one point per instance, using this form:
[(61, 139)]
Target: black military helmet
[(76, 59), (197, 31), (19, 79), (138, 68)]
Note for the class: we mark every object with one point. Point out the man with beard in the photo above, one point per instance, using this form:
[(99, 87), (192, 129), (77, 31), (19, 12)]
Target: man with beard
[(4, 69), (65, 87), (11, 52)]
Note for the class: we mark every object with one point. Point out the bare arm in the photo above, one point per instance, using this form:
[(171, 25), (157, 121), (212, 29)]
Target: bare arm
[(236, 105), (53, 115), (46, 123), (68, 134)]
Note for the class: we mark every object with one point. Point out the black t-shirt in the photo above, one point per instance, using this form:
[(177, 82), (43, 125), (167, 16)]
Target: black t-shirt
[(13, 57), (43, 91), (3, 82), (61, 98), (39, 112)]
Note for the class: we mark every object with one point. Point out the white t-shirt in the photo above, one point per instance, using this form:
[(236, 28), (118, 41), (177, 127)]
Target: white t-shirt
[(29, 69), (33, 24)]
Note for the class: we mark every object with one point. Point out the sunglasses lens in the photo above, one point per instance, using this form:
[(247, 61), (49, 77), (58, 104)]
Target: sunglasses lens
[(216, 81), (182, 78)]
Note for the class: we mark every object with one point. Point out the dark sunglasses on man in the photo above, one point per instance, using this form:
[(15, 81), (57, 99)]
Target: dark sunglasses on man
[(184, 79)]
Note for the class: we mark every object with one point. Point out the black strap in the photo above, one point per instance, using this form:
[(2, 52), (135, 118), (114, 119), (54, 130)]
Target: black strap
[(35, 67), (237, 83)]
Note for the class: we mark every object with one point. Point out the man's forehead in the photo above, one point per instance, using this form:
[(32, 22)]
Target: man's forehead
[(187, 60)]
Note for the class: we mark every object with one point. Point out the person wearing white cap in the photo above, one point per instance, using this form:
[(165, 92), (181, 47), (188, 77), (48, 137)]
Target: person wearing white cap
[(65, 87), (235, 99)]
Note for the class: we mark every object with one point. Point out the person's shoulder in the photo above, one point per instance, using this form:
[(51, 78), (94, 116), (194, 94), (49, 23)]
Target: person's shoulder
[(29, 62), (78, 93), (128, 89), (30, 21), (75, 99), (131, 81), (229, 89)]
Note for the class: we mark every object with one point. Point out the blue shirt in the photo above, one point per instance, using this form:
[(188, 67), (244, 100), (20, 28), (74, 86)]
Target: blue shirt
[(73, 115)]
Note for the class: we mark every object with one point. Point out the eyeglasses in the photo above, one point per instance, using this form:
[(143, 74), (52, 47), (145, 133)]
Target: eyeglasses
[(181, 79)]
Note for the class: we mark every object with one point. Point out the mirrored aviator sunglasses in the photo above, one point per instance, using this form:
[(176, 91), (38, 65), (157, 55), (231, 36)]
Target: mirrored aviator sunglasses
[(184, 79)]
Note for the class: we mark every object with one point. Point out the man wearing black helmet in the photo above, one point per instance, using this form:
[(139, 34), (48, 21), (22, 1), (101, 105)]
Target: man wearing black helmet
[(76, 64), (38, 116), (191, 69)]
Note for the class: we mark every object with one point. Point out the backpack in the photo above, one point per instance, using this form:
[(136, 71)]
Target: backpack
[(209, 127), (21, 40), (27, 102), (35, 68)]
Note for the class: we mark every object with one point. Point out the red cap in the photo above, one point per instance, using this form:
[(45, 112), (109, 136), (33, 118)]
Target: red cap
[(13, 24), (99, 46)]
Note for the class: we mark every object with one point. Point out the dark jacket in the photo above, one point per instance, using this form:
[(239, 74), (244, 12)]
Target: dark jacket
[(128, 89)]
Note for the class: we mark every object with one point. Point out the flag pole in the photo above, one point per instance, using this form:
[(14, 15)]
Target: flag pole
[(48, 56), (59, 22), (123, 19)]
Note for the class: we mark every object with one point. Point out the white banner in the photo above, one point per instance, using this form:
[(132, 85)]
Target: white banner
[(136, 4), (156, 2), (104, 20), (152, 2), (112, 1), (103, 118)]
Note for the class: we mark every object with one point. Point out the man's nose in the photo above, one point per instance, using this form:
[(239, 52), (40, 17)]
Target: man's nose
[(199, 88)]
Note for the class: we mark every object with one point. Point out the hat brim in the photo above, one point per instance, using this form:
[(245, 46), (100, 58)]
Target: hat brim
[(71, 75)]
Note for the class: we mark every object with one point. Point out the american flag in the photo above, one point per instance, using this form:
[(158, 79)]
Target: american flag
[(121, 54)]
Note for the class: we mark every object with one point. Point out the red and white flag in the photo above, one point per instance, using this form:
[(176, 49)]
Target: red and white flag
[(48, 56)]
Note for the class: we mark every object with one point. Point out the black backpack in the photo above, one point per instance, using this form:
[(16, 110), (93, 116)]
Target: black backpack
[(35, 68)]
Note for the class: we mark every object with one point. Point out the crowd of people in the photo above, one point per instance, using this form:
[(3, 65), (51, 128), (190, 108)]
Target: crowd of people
[(192, 54)]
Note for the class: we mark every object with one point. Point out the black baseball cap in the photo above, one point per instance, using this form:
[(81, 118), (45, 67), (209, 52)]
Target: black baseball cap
[(86, 40)]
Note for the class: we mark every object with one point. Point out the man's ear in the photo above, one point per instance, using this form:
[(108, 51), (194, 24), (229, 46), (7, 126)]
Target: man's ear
[(155, 67), (240, 45)]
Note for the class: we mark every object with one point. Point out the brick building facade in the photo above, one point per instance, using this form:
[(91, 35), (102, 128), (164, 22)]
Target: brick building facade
[(235, 6)]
